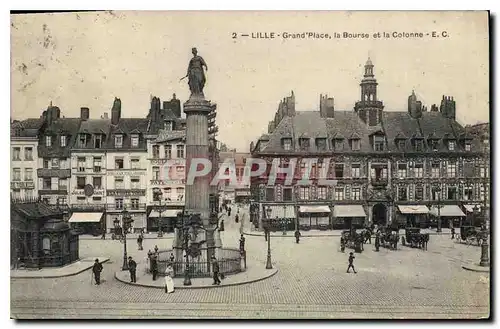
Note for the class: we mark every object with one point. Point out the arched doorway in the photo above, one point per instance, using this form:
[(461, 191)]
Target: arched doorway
[(379, 214)]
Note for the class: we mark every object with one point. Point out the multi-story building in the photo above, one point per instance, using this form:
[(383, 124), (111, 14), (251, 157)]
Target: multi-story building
[(88, 171), (241, 191), (54, 156), (166, 168), (389, 167), (126, 161), (24, 158)]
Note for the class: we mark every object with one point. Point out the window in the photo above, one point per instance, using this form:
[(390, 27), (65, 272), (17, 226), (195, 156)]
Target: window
[(118, 163), (47, 183), (134, 204), (356, 144), (402, 170), (81, 199), (435, 169), (16, 174), (434, 144), (97, 198), (80, 182), (135, 183), (451, 145), (16, 154), (82, 140), (452, 169), (63, 163), (62, 201), (356, 193), (81, 164), (483, 170), (304, 143), (355, 170), (63, 141), (63, 184), (482, 195), (378, 172), (55, 163), (119, 203), (118, 141), (180, 193), (16, 194), (134, 140), (338, 144), (287, 144), (419, 192), (402, 193), (119, 184), (401, 144), (452, 193), (339, 170), (180, 172), (28, 153), (45, 164), (156, 151), (168, 125), (321, 144), (167, 192), (98, 141), (48, 141), (287, 194), (28, 194), (468, 192), (156, 173), (467, 146), (97, 182), (419, 170), (134, 163), (378, 143), (435, 193), (28, 174), (97, 164), (168, 151), (322, 192), (270, 194), (304, 192), (180, 151), (419, 145), (339, 193)]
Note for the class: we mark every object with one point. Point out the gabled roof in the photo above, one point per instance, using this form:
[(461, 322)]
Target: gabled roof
[(61, 127), (95, 126), (26, 128), (128, 127)]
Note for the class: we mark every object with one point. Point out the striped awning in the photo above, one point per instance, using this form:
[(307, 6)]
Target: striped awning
[(416, 209), (470, 207), (85, 217), (314, 209), (447, 211), (354, 210), (165, 213), (280, 211)]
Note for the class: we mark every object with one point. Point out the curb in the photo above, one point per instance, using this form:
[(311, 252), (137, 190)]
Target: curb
[(312, 236), (476, 268), (58, 276), (271, 274)]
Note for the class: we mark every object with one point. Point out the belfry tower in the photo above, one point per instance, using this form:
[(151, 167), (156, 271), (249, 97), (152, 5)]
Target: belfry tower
[(369, 108)]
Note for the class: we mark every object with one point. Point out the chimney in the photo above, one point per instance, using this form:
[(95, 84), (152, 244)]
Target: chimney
[(53, 113), (84, 113), (271, 127), (116, 111), (326, 106), (448, 107)]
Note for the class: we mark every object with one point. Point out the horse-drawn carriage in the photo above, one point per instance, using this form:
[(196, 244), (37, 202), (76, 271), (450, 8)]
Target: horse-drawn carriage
[(389, 237), (414, 238), (352, 239), (470, 234)]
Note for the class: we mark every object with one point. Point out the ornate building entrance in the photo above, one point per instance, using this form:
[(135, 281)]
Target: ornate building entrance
[(379, 214)]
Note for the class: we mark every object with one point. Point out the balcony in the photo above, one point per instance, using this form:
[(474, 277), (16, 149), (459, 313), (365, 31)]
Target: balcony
[(48, 191), (61, 173), (20, 185), (126, 192), (88, 207), (380, 182), (126, 206)]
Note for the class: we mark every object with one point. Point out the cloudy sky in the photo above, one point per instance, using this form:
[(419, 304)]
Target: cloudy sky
[(86, 59)]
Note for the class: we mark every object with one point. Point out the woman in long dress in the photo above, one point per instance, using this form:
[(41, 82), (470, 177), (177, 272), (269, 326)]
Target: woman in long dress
[(169, 281)]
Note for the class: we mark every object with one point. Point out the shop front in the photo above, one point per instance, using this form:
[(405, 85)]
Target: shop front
[(413, 216), (242, 196), (314, 217), (283, 217), (87, 222), (471, 219), (348, 216), (163, 219), (450, 214)]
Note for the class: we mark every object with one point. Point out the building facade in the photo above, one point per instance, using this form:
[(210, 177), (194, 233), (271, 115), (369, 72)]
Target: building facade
[(402, 168), (240, 192)]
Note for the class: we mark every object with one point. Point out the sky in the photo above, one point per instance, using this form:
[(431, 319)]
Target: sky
[(86, 59)]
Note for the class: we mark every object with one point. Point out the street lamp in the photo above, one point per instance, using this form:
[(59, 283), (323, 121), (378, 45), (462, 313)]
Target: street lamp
[(126, 221), (438, 190), (269, 264), (284, 220), (157, 195), (485, 259)]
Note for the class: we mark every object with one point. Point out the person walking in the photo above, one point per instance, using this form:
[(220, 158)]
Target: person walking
[(139, 241), (216, 270), (132, 267), (229, 212), (297, 236), (169, 281), (351, 263), (97, 269), (237, 218), (156, 249), (342, 243)]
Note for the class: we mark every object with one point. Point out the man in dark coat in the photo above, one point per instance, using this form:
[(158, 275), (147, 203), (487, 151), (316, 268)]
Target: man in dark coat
[(351, 263), (154, 268), (297, 236), (132, 267), (237, 218), (216, 270), (139, 241), (452, 233), (97, 269), (242, 243), (342, 243), (229, 212)]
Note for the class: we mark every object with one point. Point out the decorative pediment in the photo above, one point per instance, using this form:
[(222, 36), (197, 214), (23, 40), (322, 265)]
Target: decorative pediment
[(378, 132), (337, 136), (135, 131), (400, 135), (417, 135), (118, 131)]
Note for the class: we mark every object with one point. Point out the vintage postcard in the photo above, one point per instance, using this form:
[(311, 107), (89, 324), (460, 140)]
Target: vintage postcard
[(250, 165)]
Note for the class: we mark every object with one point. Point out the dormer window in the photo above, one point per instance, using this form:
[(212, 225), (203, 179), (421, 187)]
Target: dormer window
[(287, 144), (48, 141), (63, 141), (98, 141), (321, 144), (82, 140), (419, 145), (304, 143), (378, 143), (168, 125), (434, 143), (467, 146), (451, 145), (356, 144), (118, 141), (401, 144), (134, 140), (338, 144)]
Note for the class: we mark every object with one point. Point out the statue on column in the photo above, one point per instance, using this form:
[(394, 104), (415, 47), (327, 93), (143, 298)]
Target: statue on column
[(196, 75)]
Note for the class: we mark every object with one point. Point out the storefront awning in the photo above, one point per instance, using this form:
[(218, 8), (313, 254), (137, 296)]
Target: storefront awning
[(165, 213), (349, 211), (280, 211), (447, 211), (416, 209), (470, 207), (314, 209), (85, 217)]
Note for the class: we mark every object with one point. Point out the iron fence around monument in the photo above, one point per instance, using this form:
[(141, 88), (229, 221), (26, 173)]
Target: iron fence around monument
[(229, 260)]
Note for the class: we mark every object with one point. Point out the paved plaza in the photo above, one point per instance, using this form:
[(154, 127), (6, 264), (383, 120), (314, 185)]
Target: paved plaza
[(311, 283)]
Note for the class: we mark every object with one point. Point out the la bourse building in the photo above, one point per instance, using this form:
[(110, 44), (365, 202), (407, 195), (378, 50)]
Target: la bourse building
[(401, 168)]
